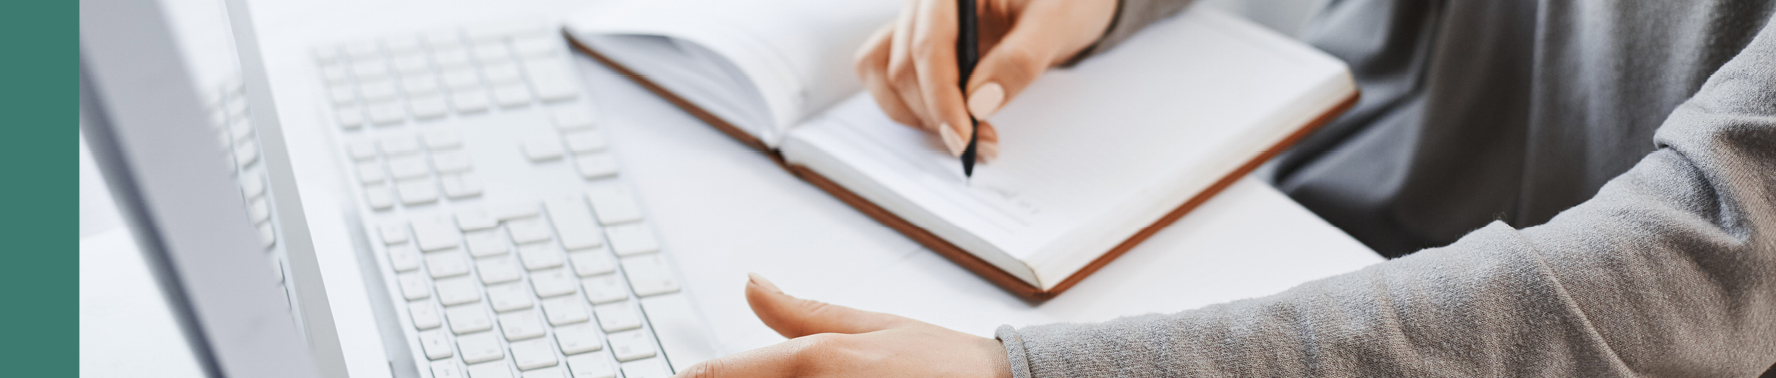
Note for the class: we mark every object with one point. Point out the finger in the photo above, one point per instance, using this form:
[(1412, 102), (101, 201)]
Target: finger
[(769, 362), (795, 317), (872, 66), (934, 57), (902, 79), (988, 148), (1044, 36)]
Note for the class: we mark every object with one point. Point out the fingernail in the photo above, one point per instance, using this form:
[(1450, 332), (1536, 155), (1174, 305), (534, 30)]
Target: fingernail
[(951, 140), (762, 282), (986, 100), (988, 151)]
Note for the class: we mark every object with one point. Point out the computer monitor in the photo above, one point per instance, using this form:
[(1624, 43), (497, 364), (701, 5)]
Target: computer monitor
[(147, 116)]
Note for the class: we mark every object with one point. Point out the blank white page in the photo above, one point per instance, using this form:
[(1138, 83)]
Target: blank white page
[(1089, 155), (796, 53)]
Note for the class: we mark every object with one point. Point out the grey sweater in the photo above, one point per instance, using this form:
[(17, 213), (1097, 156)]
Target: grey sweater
[(1618, 160)]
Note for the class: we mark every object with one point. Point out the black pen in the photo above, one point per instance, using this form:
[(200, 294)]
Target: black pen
[(967, 54)]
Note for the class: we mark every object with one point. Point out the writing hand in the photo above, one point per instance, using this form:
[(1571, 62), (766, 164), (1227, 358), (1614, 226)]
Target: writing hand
[(909, 66)]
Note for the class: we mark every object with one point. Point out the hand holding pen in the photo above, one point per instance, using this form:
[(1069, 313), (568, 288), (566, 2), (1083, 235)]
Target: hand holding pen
[(911, 66)]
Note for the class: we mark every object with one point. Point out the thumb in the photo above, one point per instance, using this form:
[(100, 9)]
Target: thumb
[(795, 317)]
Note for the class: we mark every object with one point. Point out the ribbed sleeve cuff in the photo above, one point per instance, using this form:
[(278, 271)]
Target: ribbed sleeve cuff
[(1014, 351)]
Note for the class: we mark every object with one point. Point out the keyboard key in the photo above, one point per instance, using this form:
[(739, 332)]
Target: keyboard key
[(647, 368), (387, 113), (495, 369), (398, 145), (485, 243), (253, 186), (460, 185), (542, 149), (548, 372), (514, 210), (378, 90), (424, 314), (536, 47), (475, 219), (578, 338), (413, 286), (349, 117), (392, 233), (461, 79), (649, 275), (446, 264), (246, 154), (628, 346), (468, 319), (370, 172), (478, 348), (428, 105), (446, 369), (508, 297), (571, 119), (521, 325), (407, 167), (529, 230), (410, 64), (455, 291), (434, 233), (550, 283), (534, 354), (574, 223), (593, 365), (469, 102), (367, 70), (403, 257), (452, 58), (604, 289), (683, 335), (361, 150), (539, 256), (490, 53), (266, 237), (617, 317), (596, 166), (565, 310), (379, 197), (512, 95), (613, 204), (631, 239), (498, 269), (584, 141), (258, 210), (501, 73), (342, 94), (592, 262), (441, 139), (435, 344), (451, 161)]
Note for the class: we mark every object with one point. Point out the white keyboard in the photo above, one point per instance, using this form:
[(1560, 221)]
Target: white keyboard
[(503, 224)]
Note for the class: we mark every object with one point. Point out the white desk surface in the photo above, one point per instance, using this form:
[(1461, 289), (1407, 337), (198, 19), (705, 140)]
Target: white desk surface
[(723, 210)]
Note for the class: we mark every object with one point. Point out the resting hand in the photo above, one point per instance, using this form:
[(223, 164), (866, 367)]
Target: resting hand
[(836, 341), (910, 67)]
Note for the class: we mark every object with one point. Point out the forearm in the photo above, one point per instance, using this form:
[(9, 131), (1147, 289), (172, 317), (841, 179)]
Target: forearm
[(1669, 269)]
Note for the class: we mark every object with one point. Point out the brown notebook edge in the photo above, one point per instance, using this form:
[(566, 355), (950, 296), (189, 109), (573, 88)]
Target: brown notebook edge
[(969, 261)]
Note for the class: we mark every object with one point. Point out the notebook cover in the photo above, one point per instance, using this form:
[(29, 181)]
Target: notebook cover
[(969, 261)]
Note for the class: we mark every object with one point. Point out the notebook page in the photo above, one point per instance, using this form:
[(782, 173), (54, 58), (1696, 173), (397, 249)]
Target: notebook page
[(797, 53), (1089, 155)]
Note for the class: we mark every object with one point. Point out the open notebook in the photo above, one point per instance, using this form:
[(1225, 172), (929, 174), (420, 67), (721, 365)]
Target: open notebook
[(1093, 158)]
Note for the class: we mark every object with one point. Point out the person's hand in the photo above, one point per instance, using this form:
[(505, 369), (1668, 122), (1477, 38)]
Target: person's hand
[(836, 341), (910, 67)]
